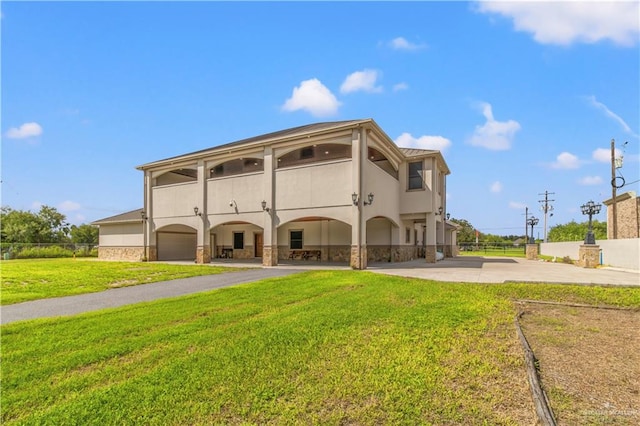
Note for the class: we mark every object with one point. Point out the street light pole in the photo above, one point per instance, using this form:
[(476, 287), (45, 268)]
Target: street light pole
[(590, 208), (532, 222)]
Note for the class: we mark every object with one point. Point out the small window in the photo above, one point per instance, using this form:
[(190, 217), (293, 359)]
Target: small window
[(295, 240), (415, 175), (408, 236), (238, 240)]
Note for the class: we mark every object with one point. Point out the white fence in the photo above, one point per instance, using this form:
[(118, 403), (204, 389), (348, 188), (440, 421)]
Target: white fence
[(621, 253)]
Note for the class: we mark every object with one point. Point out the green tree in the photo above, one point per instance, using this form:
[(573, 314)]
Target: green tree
[(46, 226), (84, 234), (574, 231), (466, 231)]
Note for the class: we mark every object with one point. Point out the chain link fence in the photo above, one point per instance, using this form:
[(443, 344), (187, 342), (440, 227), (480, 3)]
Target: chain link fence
[(46, 250)]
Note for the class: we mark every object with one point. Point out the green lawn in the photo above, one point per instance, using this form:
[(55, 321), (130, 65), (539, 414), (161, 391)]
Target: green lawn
[(339, 347), (27, 279)]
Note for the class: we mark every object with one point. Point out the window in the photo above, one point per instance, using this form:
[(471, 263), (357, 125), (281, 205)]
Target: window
[(295, 240), (415, 175), (408, 236), (238, 240)]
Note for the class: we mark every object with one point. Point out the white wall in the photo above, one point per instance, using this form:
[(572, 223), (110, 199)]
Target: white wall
[(621, 253)]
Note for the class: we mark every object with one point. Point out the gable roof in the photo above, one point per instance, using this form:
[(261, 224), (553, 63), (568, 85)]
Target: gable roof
[(129, 217)]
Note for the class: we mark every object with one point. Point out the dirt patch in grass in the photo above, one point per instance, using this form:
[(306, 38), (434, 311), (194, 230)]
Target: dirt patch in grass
[(589, 362)]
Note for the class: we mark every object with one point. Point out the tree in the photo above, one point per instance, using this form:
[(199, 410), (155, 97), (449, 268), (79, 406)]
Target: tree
[(574, 231), (47, 226), (466, 232), (84, 234)]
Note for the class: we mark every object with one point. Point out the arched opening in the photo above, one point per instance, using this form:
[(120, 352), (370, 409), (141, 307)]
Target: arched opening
[(236, 167), (236, 240), (314, 154), (314, 238), (380, 160), (182, 175)]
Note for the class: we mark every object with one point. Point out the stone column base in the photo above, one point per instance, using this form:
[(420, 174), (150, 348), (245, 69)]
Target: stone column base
[(589, 255), (430, 254), (203, 254), (269, 256), (358, 257), (532, 251)]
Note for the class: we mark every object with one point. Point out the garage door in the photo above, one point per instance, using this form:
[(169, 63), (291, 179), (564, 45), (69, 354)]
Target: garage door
[(176, 246)]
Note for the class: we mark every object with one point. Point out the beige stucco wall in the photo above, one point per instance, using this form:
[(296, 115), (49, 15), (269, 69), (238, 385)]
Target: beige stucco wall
[(247, 191), (175, 200), (314, 185), (121, 235)]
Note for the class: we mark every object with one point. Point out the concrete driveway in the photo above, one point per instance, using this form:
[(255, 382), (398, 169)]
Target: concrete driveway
[(472, 269), (479, 269)]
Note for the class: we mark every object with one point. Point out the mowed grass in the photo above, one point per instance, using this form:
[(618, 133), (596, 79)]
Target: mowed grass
[(31, 279), (338, 347)]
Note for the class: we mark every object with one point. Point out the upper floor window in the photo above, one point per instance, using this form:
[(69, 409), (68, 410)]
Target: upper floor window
[(415, 175), (314, 154), (378, 158), (237, 167)]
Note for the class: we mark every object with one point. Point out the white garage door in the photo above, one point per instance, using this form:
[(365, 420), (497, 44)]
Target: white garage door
[(176, 246)]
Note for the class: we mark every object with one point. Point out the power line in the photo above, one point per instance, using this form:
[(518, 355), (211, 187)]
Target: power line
[(546, 208)]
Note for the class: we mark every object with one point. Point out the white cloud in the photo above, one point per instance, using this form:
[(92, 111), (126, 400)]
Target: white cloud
[(590, 180), (566, 160), (313, 97), (400, 43), (406, 140), (27, 130), (603, 155), (593, 102), (568, 22), (364, 81), (496, 187), (517, 205), (494, 135), (400, 86), (69, 206)]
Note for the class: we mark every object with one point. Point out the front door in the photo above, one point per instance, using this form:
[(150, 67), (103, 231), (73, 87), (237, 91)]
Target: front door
[(258, 242)]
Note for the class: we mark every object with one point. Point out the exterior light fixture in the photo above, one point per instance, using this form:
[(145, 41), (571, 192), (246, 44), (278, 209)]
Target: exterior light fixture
[(354, 198), (448, 216), (370, 198), (532, 221), (590, 209), (143, 215), (233, 203), (440, 209), (264, 206), (195, 210)]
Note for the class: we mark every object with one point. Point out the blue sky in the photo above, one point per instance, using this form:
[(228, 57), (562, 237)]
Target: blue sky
[(521, 98)]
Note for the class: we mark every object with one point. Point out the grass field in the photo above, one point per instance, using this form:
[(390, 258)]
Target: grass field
[(315, 348), (24, 280)]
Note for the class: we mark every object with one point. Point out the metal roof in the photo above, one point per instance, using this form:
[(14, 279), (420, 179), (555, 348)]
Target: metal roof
[(131, 217)]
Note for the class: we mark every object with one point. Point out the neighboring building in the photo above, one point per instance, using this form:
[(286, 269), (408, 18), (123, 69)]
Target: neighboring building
[(628, 216), (336, 191)]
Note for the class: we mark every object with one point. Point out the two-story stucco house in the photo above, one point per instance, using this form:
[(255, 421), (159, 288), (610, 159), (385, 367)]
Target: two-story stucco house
[(336, 191)]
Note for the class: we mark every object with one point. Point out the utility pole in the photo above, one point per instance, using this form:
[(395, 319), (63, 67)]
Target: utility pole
[(526, 223), (613, 189), (546, 208)]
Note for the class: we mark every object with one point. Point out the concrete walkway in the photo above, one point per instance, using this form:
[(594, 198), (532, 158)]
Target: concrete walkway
[(71, 305), (472, 269)]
